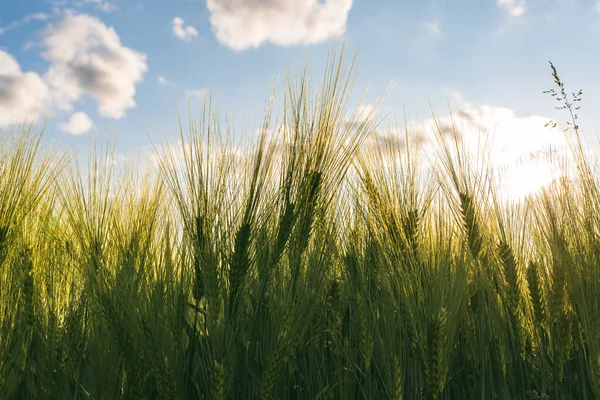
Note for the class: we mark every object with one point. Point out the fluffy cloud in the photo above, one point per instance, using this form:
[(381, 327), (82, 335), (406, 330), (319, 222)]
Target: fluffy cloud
[(522, 150), (515, 139), (514, 8), (87, 57), (242, 24), (78, 124), (518, 148), (182, 31), (22, 94)]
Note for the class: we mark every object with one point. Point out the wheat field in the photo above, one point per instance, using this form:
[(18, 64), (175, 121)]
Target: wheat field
[(304, 265)]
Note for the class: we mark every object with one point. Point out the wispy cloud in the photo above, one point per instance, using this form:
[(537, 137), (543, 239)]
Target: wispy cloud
[(165, 82), (28, 45), (24, 21), (362, 113), (56, 3), (182, 31), (78, 124), (515, 8), (435, 27), (103, 5), (195, 92), (243, 24)]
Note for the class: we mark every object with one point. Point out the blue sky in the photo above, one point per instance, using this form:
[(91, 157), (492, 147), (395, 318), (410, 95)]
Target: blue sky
[(122, 66)]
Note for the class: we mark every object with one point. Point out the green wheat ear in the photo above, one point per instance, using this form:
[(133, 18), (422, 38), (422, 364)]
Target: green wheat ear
[(471, 225), (219, 381), (239, 266), (398, 379), (365, 340), (198, 289), (538, 295), (436, 338)]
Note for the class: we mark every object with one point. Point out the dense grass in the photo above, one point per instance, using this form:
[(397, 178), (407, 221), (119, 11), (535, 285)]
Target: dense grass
[(297, 268)]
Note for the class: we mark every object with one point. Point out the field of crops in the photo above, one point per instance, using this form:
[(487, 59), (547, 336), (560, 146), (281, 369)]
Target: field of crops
[(303, 266)]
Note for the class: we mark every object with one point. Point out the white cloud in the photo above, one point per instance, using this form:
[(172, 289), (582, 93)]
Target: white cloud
[(78, 124), (243, 24), (22, 94), (596, 7), (362, 113), (434, 27), (522, 150), (103, 5), (515, 8), (173, 152), (518, 148), (173, 155), (165, 82), (516, 139), (181, 31), (8, 65), (87, 57)]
